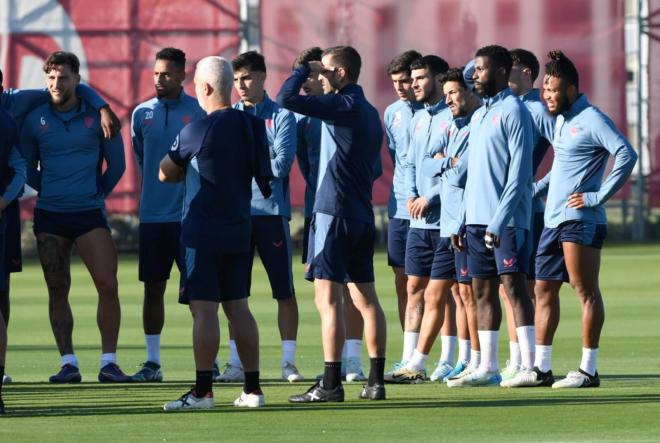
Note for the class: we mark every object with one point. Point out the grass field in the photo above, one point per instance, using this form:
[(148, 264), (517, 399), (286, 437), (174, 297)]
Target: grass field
[(625, 408)]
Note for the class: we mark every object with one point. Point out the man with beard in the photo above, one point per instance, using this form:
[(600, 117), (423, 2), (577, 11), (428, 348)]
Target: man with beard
[(155, 124), (498, 194)]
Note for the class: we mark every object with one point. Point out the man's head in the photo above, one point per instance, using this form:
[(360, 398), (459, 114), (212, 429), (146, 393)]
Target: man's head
[(426, 73), (213, 80), (561, 84), (312, 85), (459, 97), (341, 66), (250, 76), (492, 65), (524, 71), (169, 72), (399, 72), (62, 77)]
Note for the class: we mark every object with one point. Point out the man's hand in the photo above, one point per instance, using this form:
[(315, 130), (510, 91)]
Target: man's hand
[(409, 204), (419, 207), (439, 156), (315, 66), (576, 201), (454, 161), (491, 240), (109, 122), (457, 242)]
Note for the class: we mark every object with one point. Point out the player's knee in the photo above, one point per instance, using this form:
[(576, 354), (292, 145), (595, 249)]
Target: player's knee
[(106, 285), (586, 292)]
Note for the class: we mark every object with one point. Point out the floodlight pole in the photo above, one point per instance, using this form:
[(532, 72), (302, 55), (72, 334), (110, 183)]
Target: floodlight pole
[(639, 222), (250, 33)]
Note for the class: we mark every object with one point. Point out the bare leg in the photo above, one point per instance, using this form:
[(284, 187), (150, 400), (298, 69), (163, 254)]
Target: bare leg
[(449, 326), (246, 333), (489, 310), (515, 286), (287, 317), (55, 258), (435, 299), (510, 320), (375, 327), (328, 298), (400, 282), (546, 318), (99, 255), (415, 303), (468, 300), (354, 320), (206, 333)]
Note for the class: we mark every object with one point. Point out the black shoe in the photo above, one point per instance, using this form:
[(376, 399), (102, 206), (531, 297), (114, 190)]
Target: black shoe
[(68, 374), (318, 394), (375, 392), (544, 378)]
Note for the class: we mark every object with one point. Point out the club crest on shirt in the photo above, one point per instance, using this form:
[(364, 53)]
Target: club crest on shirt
[(269, 123), (89, 121), (495, 118), (575, 130), (396, 121), (185, 119), (418, 126)]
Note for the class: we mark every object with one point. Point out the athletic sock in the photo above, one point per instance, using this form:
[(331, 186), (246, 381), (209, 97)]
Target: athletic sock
[(514, 354), (353, 348), (464, 350), (589, 360), (448, 351), (203, 383), (376, 371), (331, 374), (418, 361), (488, 341), (70, 359), (543, 358), (251, 382), (153, 347), (107, 358), (288, 352), (234, 359), (526, 342), (475, 359), (410, 340)]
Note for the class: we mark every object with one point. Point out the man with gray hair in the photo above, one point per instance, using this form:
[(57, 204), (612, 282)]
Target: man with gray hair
[(218, 157)]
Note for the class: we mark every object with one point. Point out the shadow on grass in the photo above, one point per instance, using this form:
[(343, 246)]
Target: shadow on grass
[(32, 348), (132, 405)]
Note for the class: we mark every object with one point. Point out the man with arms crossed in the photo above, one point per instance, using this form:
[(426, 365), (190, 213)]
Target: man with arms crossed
[(63, 146), (218, 157), (343, 226)]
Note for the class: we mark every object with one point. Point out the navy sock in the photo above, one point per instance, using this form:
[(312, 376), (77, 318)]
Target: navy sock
[(332, 374), (251, 383), (376, 371), (203, 383)]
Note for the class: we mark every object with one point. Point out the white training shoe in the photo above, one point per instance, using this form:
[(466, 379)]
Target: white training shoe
[(441, 370), (231, 374), (188, 401), (6, 379), (509, 371), (252, 400), (354, 370), (476, 378), (578, 379), (529, 378), (291, 374)]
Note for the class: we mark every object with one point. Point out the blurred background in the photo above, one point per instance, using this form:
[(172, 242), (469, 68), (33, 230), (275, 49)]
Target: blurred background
[(614, 43)]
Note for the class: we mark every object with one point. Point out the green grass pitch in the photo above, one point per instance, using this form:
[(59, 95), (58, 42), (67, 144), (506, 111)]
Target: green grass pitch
[(625, 408)]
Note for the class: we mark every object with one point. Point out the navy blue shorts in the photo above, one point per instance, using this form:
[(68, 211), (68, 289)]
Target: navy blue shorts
[(272, 239), (341, 250), (160, 248), (3, 263), (13, 255), (214, 276), (305, 244), (429, 255), (550, 265), (512, 255), (462, 269), (397, 235), (70, 225), (534, 237)]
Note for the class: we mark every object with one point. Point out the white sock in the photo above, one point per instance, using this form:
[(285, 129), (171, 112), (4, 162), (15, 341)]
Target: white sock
[(410, 340), (153, 347), (514, 354), (464, 350), (488, 341), (234, 359), (448, 352), (527, 341), (108, 358), (353, 348), (543, 358), (70, 359), (589, 360), (288, 352), (475, 359), (418, 361)]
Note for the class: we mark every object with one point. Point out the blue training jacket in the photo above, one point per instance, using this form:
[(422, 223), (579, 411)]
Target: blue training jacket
[(308, 154)]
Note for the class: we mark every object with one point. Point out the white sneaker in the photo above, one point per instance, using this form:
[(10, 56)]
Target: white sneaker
[(189, 401), (509, 371), (578, 379), (250, 400), (354, 370), (467, 371), (529, 378), (231, 374), (290, 373), (476, 378), (6, 379), (441, 370)]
